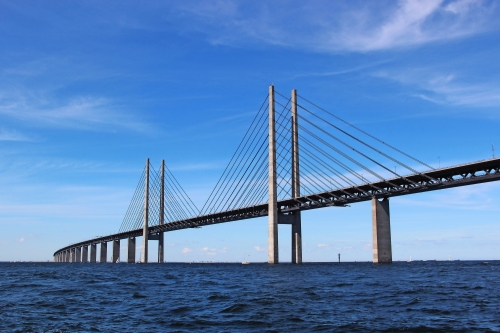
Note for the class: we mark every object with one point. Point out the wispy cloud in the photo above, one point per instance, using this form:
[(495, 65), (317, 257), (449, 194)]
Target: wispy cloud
[(85, 113), (477, 197), (340, 71), (445, 88), (333, 26), (186, 250), (12, 135), (197, 166)]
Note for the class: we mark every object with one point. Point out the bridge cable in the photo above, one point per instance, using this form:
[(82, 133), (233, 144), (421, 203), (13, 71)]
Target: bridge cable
[(364, 132), (234, 154)]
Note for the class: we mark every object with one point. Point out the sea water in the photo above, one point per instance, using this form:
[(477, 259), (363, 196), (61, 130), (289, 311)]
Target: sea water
[(448, 296)]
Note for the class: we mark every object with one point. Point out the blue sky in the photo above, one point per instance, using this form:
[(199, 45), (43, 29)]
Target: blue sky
[(90, 89)]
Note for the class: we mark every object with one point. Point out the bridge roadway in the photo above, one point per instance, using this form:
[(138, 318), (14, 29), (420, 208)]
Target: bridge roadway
[(461, 175)]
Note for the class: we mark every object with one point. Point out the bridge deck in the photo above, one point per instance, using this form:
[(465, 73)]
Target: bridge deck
[(461, 175)]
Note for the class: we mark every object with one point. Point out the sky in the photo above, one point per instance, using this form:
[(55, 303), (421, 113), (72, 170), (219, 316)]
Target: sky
[(90, 89)]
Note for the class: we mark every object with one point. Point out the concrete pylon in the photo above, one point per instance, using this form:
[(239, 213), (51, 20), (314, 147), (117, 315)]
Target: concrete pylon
[(116, 250), (272, 224), (297, 222), (85, 253), (93, 253), (381, 228), (73, 255), (131, 250), (144, 258), (104, 253), (161, 248)]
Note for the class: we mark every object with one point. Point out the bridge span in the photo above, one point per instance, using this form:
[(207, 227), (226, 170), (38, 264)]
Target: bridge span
[(268, 177)]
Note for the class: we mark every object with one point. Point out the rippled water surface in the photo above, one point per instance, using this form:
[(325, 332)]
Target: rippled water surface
[(347, 297)]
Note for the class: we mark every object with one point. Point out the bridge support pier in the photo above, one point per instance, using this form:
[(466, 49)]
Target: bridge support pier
[(381, 228), (131, 250), (78, 254), (85, 253), (161, 249), (297, 240), (93, 253), (104, 253), (73, 255), (116, 251)]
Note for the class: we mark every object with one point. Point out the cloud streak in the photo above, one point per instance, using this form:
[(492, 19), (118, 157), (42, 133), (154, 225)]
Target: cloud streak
[(84, 113), (445, 88), (11, 135), (334, 27)]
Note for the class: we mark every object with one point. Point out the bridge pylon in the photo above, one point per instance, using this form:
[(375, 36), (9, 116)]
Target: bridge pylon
[(275, 217), (145, 231), (297, 223), (272, 217)]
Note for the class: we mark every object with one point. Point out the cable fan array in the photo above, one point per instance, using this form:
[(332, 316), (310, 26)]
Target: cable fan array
[(332, 158), (244, 180), (178, 205)]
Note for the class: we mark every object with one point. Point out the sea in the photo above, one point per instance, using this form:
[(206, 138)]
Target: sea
[(418, 296)]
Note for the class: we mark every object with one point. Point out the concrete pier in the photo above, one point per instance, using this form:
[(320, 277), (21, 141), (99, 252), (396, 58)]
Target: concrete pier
[(66, 256), (104, 253), (272, 217), (131, 250), (78, 254), (297, 223), (73, 255), (381, 227), (116, 251), (85, 253), (144, 258), (93, 253)]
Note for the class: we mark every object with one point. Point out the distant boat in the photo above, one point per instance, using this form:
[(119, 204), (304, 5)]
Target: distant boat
[(117, 260), (245, 262), (409, 260)]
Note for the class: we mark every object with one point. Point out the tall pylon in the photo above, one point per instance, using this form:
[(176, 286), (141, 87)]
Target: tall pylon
[(272, 231), (297, 222), (144, 258)]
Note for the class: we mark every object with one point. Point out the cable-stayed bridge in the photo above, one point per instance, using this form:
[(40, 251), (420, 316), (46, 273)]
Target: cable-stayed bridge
[(294, 156)]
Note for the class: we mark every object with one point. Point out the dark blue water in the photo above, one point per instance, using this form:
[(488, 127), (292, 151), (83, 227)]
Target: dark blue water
[(346, 297)]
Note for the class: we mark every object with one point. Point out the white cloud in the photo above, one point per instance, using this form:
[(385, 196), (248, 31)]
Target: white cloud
[(22, 239), (186, 250), (323, 245), (339, 26), (260, 249), (212, 251)]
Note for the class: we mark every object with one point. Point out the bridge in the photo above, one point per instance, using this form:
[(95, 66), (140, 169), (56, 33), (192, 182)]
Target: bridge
[(339, 164)]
